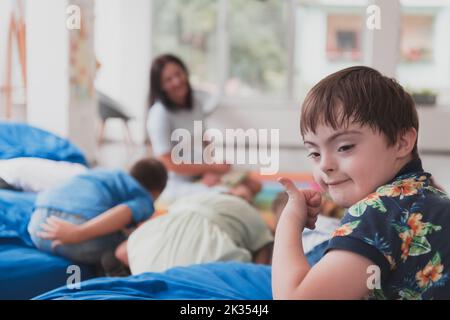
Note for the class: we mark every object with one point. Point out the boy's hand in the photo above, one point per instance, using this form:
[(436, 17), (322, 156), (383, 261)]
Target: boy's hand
[(61, 231), (303, 204)]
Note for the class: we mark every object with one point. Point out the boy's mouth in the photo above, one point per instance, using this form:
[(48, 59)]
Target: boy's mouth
[(335, 183)]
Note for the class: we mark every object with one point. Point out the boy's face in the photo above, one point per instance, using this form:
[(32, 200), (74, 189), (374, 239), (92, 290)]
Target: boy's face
[(350, 163)]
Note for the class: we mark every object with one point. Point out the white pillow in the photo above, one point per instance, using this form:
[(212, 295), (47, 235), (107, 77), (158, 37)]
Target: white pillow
[(36, 174)]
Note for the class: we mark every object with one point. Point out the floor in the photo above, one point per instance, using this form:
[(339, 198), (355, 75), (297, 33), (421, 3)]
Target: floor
[(120, 155)]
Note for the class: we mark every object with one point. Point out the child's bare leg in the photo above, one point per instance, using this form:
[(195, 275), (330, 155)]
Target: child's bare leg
[(122, 253)]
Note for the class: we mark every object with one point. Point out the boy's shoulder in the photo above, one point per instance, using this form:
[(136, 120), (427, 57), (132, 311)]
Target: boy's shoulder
[(416, 187), (408, 188)]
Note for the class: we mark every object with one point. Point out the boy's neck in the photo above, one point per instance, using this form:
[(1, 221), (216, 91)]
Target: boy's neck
[(403, 167)]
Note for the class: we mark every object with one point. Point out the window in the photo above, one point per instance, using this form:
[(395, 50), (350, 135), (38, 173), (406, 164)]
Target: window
[(417, 38), (258, 48), (344, 35), (328, 37), (189, 30), (280, 48), (253, 35), (424, 62)]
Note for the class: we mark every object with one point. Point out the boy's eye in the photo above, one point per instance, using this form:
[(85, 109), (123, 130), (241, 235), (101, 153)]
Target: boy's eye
[(346, 148), (313, 155)]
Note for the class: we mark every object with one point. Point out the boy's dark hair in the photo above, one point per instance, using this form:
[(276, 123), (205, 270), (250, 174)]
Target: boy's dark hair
[(156, 92), (362, 95), (150, 173)]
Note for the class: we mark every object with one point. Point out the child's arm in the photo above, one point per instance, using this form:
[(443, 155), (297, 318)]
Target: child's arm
[(63, 232), (338, 275)]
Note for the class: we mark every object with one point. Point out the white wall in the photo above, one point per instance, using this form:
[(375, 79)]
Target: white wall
[(123, 47), (52, 103), (47, 64)]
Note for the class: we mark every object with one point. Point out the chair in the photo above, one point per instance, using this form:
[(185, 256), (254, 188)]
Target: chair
[(109, 108)]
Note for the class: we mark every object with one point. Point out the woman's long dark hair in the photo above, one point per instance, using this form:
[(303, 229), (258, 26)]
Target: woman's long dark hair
[(156, 93)]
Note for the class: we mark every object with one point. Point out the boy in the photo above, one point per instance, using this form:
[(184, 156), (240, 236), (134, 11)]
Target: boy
[(82, 218), (360, 128)]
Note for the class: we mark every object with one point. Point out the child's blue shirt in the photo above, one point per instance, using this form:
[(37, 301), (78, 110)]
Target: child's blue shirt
[(404, 229), (92, 193)]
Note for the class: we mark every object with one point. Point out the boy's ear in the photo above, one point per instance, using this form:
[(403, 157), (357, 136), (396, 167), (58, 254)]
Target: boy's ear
[(406, 142)]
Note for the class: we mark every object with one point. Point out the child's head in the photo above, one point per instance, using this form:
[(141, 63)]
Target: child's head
[(151, 174), (360, 128)]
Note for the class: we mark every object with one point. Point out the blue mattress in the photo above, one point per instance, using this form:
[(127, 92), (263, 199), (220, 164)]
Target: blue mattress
[(218, 281), (22, 140), (25, 271)]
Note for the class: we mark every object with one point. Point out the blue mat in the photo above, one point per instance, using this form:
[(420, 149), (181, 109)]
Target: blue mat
[(22, 140), (25, 271), (219, 281)]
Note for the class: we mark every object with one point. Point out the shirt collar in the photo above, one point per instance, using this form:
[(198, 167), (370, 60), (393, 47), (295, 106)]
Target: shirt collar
[(413, 166), (413, 169)]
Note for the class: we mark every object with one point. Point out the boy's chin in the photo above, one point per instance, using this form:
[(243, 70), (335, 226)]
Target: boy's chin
[(342, 202), (346, 201)]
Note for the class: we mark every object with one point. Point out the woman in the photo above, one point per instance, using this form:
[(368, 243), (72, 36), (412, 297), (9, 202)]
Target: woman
[(174, 105)]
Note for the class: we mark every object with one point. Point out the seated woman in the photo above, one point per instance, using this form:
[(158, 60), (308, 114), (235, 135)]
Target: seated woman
[(201, 228), (174, 105)]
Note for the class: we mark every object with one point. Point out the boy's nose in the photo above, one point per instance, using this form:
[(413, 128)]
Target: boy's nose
[(327, 164)]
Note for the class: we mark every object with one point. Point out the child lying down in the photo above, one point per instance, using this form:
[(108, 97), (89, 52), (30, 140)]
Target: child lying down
[(200, 228), (84, 217), (204, 228)]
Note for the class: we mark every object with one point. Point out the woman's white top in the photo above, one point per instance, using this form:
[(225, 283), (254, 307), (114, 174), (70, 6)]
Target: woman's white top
[(161, 123)]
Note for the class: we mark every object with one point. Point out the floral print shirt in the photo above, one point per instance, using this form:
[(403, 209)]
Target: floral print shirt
[(404, 229)]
